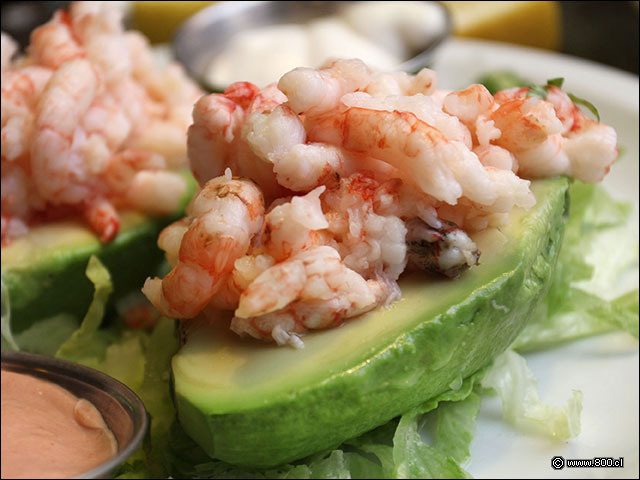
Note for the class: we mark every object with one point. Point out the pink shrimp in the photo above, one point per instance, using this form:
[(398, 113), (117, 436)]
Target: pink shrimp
[(365, 174), (225, 214), (58, 170), (497, 157), (472, 105), (170, 238), (591, 146), (103, 218), (316, 92), (98, 28), (364, 222), (444, 169), (425, 107), (57, 165), (8, 50), (289, 228), (82, 113), (55, 43), (469, 103), (292, 226), (215, 139), (18, 198), (245, 270), (553, 137), (525, 123), (279, 138), (566, 111), (384, 84), (20, 92), (310, 290)]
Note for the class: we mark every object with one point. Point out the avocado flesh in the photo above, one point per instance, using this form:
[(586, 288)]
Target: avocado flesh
[(258, 405), (44, 271)]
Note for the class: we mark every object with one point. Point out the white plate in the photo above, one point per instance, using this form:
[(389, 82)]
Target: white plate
[(605, 368)]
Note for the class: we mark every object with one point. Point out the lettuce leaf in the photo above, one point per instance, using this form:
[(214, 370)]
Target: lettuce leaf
[(517, 387), (152, 460), (86, 345), (114, 350), (455, 425), (416, 459), (47, 336), (44, 337), (156, 394), (452, 416), (585, 295), (8, 342), (452, 427)]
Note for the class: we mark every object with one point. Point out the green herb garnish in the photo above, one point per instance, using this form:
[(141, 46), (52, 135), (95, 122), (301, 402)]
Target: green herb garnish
[(556, 82), (585, 103), (541, 91)]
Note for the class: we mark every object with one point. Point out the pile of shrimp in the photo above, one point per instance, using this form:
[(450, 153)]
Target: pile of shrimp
[(89, 124), (320, 191)]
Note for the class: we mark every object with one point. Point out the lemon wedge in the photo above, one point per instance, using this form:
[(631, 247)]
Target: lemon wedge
[(159, 20), (536, 24)]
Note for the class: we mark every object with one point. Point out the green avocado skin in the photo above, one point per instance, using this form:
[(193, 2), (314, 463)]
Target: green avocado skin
[(399, 373), (56, 282)]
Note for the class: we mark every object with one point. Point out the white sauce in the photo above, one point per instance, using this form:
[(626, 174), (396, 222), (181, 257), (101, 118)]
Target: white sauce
[(382, 34)]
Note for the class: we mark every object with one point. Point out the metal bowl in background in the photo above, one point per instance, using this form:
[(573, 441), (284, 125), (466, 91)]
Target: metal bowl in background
[(206, 34), (121, 408)]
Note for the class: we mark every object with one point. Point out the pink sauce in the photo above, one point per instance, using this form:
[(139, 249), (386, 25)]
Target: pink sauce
[(47, 432)]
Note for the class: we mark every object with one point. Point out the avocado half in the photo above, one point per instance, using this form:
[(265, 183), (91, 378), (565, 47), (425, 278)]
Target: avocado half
[(259, 405), (44, 271)]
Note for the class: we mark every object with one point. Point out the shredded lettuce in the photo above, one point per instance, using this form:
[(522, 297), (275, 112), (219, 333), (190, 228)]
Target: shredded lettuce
[(113, 350), (47, 336), (156, 394), (517, 387), (416, 459), (86, 345), (44, 337), (8, 342), (452, 417), (584, 298), (153, 459), (621, 312), (455, 424), (189, 461)]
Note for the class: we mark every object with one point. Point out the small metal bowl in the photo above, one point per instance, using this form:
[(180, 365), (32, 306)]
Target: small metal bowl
[(121, 408), (205, 35)]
